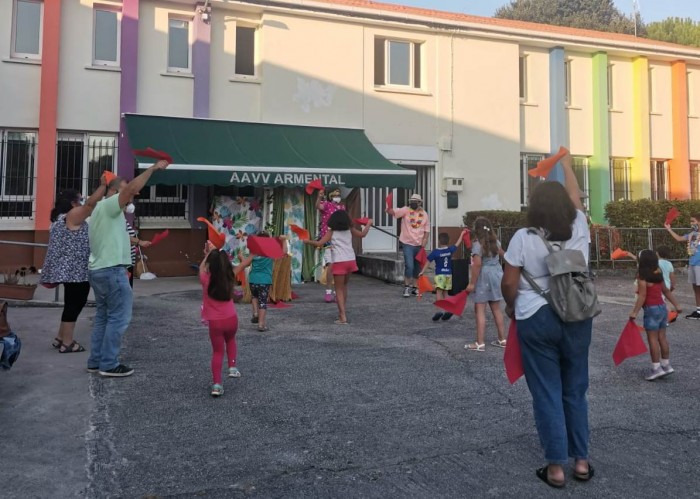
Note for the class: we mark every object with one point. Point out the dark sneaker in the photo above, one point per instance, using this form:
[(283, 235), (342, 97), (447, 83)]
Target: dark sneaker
[(655, 373), (254, 319), (120, 371), (93, 370), (437, 316), (447, 316), (695, 316), (414, 290), (406, 291)]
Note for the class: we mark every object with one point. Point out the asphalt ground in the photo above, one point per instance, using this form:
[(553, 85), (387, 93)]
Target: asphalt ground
[(388, 406)]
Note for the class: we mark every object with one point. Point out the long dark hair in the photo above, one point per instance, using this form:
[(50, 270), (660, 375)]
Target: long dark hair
[(340, 220), (486, 236), (551, 209), (64, 203), (221, 278), (649, 267)]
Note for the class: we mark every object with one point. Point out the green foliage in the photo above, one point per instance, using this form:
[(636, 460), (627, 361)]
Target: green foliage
[(600, 15), (676, 30), (498, 218), (647, 213)]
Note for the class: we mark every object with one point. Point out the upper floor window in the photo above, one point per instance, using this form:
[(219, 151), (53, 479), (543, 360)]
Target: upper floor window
[(567, 82), (17, 174), (105, 46), (179, 48), (397, 63), (523, 78), (26, 29), (245, 50)]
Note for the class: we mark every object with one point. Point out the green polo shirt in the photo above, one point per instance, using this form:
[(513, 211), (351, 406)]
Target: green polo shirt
[(109, 241)]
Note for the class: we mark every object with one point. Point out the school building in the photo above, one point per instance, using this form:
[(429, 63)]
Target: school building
[(253, 98)]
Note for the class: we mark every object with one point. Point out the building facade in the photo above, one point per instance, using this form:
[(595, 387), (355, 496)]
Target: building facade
[(468, 103)]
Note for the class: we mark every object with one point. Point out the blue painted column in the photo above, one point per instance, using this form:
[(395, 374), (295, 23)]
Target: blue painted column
[(558, 121)]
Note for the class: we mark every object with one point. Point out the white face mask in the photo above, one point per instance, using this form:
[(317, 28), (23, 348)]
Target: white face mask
[(130, 208), (336, 200)]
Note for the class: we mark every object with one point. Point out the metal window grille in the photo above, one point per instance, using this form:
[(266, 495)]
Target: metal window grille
[(527, 183), (163, 202), (580, 167), (619, 179), (81, 159), (17, 174), (659, 180), (695, 180)]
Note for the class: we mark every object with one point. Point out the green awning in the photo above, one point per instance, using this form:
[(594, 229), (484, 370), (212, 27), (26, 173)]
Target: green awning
[(213, 152)]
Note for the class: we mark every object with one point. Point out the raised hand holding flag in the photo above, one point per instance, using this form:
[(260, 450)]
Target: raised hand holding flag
[(215, 237), (302, 233), (545, 166), (314, 185), (672, 214)]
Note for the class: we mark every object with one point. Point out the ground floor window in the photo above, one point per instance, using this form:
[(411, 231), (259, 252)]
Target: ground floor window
[(580, 166), (695, 180), (17, 174), (659, 180), (81, 158), (163, 202), (619, 179), (527, 183)]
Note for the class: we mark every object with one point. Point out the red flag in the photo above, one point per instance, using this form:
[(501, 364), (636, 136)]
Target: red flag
[(241, 278), (109, 176), (152, 153), (314, 185), (159, 237), (278, 304), (269, 247), (545, 166), (422, 257), (672, 316), (216, 238), (512, 358), (295, 296), (301, 232), (467, 239), (672, 214), (390, 201), (630, 343), (361, 221), (424, 285), (453, 304), (619, 253)]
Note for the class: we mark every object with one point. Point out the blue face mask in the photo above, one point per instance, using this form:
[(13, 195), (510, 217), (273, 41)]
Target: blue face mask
[(695, 227)]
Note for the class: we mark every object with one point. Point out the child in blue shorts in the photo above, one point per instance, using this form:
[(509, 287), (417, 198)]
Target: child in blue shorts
[(442, 256)]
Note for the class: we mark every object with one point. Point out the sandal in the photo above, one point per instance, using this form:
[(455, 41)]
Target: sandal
[(263, 329), (584, 477), (56, 343), (543, 475), (339, 322), (475, 347), (499, 343), (74, 347)]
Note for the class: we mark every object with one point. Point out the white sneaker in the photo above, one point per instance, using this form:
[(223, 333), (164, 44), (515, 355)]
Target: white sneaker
[(407, 291), (233, 372), (667, 370), (655, 374)]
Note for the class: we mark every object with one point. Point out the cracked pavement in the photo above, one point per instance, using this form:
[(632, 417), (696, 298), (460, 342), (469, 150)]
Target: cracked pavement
[(389, 406)]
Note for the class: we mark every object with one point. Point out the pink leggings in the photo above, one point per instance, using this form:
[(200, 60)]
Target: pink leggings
[(222, 334)]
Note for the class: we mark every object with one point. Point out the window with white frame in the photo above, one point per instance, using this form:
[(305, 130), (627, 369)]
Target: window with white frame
[(567, 82), (611, 86), (27, 19), (246, 40), (580, 167), (397, 63), (179, 46), (659, 180), (82, 158), (619, 179), (105, 37), (693, 93), (17, 174), (162, 202), (523, 78), (528, 182), (695, 180)]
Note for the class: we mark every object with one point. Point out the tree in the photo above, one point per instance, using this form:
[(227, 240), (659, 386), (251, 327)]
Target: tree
[(676, 30), (600, 15)]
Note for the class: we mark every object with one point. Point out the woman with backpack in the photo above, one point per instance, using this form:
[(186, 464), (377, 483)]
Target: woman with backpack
[(554, 352)]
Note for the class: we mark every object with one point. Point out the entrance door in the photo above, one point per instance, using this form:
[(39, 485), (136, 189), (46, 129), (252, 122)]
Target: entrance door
[(373, 206), (425, 186)]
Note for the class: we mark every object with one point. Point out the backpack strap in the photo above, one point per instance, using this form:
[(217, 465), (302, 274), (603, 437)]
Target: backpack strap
[(528, 277)]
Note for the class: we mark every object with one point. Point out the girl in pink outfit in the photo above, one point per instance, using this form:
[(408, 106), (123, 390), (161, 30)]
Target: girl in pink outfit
[(326, 208)]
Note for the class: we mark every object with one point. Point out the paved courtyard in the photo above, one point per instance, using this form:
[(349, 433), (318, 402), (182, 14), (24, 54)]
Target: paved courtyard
[(389, 406)]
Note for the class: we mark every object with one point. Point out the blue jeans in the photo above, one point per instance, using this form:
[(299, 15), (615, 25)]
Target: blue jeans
[(655, 317), (555, 360), (411, 270), (113, 300)]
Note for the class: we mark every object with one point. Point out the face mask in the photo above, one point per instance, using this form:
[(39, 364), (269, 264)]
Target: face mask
[(413, 205), (336, 200), (695, 227), (130, 208), (81, 201)]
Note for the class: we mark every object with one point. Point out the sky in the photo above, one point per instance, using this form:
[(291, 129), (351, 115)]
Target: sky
[(652, 10)]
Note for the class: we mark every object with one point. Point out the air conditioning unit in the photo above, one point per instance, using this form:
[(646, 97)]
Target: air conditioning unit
[(453, 184)]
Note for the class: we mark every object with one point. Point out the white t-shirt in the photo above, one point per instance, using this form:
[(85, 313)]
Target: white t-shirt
[(341, 246), (529, 251)]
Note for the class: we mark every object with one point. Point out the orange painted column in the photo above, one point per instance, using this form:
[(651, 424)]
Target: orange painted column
[(679, 166), (48, 111)]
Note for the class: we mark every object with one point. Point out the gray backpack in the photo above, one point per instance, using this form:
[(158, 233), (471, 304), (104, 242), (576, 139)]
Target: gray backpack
[(571, 293)]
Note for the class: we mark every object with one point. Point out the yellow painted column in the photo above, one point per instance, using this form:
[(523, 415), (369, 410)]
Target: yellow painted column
[(640, 174)]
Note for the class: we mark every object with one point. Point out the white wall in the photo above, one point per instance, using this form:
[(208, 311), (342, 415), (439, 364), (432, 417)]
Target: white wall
[(661, 111)]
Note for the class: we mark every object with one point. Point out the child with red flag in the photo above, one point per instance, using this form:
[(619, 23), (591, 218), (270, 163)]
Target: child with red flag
[(485, 283), (326, 208), (650, 292), (692, 239), (442, 256)]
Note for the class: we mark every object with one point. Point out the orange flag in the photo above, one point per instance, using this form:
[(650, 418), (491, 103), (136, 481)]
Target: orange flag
[(545, 166), (301, 232), (109, 176), (630, 343), (618, 254), (672, 316), (216, 238), (512, 358), (424, 285), (453, 304), (241, 278)]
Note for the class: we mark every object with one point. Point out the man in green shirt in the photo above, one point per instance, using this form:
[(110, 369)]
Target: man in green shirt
[(110, 255)]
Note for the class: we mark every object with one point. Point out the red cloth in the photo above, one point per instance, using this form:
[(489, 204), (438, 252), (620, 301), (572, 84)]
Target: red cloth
[(214, 310), (422, 257), (545, 166), (109, 176), (152, 153), (216, 238), (619, 253), (314, 185), (630, 343), (672, 315), (390, 201), (361, 221), (512, 358), (467, 238), (269, 247), (279, 304), (453, 304), (159, 237), (672, 214), (655, 295), (295, 296), (301, 232), (241, 278)]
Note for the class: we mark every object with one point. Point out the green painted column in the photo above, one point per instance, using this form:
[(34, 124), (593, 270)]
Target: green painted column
[(599, 165)]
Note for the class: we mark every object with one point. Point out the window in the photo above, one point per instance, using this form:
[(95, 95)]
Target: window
[(81, 159), (619, 179), (179, 49), (163, 202), (105, 44), (17, 174), (611, 100), (653, 106), (580, 167), (695, 180), (397, 63), (567, 82), (527, 182), (659, 180), (26, 29), (693, 97), (245, 51), (523, 78)]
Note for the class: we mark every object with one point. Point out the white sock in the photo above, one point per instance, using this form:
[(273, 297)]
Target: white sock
[(665, 362), (697, 309), (655, 365)]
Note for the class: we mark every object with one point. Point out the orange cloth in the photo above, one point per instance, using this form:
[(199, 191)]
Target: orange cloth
[(618, 253), (545, 166), (301, 232), (216, 238)]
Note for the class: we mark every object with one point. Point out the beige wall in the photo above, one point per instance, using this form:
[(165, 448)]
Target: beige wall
[(19, 83), (580, 108), (534, 112), (694, 111), (661, 114), (621, 126)]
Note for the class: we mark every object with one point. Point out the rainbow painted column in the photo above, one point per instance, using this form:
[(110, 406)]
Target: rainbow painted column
[(679, 168), (48, 113), (558, 121), (129, 81), (640, 175), (599, 163), (201, 65)]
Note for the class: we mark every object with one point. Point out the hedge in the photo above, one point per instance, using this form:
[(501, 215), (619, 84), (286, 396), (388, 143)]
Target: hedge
[(498, 218), (647, 213)]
